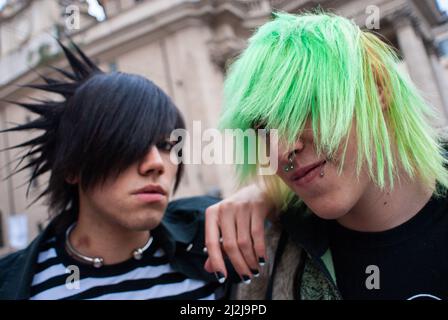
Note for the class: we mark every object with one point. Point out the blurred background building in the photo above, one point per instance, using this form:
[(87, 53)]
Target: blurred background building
[(184, 46)]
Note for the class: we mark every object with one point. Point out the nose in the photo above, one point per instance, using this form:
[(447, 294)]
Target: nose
[(152, 163)]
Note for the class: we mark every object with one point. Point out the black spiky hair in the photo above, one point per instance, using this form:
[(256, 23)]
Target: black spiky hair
[(105, 123)]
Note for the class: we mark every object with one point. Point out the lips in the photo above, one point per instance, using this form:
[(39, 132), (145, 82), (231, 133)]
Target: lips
[(151, 188), (302, 172), (150, 193)]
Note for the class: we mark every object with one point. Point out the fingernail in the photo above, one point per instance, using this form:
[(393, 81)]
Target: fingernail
[(256, 273), (220, 276), (261, 261), (246, 279)]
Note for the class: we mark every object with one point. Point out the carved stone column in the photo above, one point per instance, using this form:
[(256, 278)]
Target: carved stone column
[(417, 59)]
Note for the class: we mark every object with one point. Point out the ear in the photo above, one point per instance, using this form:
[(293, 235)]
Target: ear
[(72, 179)]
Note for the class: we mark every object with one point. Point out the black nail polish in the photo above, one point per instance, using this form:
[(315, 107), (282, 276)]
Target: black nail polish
[(246, 279), (256, 273), (261, 261), (220, 276)]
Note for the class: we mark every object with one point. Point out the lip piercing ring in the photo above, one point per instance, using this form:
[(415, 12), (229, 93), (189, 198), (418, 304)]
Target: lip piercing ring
[(322, 169)]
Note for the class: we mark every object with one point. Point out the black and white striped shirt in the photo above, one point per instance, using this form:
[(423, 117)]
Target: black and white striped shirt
[(152, 277)]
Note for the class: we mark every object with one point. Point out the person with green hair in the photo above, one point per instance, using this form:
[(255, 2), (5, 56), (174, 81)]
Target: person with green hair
[(361, 183)]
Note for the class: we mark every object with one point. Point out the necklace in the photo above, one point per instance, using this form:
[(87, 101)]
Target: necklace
[(98, 262)]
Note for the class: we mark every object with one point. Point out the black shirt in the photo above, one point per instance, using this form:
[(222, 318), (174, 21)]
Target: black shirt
[(407, 262)]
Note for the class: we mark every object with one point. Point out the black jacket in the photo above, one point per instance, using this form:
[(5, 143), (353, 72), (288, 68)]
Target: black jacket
[(181, 232)]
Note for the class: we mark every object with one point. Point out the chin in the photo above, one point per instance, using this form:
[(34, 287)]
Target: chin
[(143, 221)]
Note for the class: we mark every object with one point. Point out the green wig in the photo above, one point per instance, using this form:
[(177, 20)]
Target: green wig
[(323, 68)]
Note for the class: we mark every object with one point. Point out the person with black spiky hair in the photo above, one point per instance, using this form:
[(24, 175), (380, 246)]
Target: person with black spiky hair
[(113, 234)]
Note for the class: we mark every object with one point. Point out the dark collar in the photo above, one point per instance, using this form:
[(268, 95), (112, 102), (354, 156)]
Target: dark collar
[(306, 230)]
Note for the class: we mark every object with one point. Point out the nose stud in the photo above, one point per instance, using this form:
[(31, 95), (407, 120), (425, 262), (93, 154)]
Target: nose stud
[(290, 165)]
